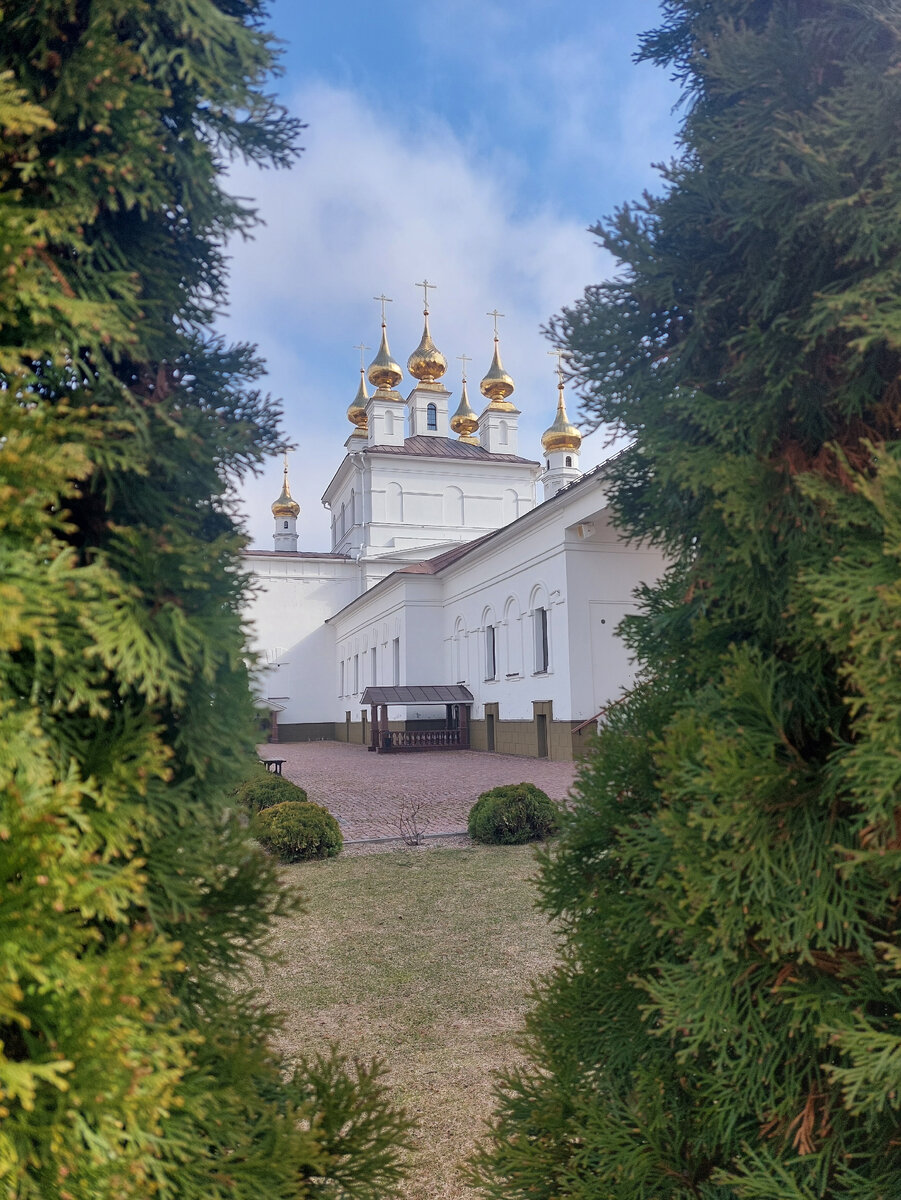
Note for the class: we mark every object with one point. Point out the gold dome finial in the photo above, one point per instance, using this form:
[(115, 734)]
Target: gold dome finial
[(426, 363), (384, 373), (497, 384), (562, 435), (284, 505), (356, 412), (464, 421)]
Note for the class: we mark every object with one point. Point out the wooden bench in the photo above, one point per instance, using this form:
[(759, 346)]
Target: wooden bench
[(273, 764)]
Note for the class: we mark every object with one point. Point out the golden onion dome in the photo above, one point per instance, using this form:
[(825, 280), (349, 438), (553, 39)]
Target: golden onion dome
[(285, 506), (464, 421), (356, 412), (383, 370), (562, 435), (426, 363), (497, 384)]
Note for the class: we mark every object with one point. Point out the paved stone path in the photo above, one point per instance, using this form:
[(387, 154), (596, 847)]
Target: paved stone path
[(366, 792)]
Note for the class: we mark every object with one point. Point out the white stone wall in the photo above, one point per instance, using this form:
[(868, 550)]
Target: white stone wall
[(584, 580), (563, 557), (407, 609), (501, 585), (602, 574), (396, 502), (287, 618)]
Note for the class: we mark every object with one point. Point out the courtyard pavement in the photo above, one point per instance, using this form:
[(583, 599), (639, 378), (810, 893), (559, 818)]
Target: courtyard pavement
[(368, 792)]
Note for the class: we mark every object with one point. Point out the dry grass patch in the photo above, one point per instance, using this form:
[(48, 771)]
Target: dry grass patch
[(425, 959)]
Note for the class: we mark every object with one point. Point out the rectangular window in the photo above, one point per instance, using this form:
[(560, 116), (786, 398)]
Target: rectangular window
[(372, 664), (541, 647), (490, 655), (356, 673), (395, 646), (341, 677)]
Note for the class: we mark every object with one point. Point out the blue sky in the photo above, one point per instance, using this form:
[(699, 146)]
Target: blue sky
[(470, 143)]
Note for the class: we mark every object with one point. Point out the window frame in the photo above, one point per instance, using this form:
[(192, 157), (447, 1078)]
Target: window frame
[(541, 625), (490, 652)]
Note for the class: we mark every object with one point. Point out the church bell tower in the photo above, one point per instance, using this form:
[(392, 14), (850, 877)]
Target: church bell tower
[(286, 511)]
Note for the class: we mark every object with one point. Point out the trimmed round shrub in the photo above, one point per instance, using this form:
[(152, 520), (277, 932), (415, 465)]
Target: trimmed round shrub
[(262, 790), (513, 814), (294, 832)]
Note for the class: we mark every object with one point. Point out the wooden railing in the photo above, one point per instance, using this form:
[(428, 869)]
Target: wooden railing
[(398, 740)]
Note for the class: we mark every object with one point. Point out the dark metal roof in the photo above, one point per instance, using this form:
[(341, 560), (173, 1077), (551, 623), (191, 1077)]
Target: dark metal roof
[(424, 446), (427, 693)]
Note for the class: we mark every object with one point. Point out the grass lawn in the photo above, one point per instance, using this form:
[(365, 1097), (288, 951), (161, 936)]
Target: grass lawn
[(423, 958)]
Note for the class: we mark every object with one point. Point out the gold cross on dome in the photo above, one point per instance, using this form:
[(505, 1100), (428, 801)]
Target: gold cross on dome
[(559, 355), (425, 285), (362, 350), (464, 358), (383, 300), (495, 314)]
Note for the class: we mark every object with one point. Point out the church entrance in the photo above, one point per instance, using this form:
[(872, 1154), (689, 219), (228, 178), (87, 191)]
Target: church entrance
[(457, 701), (541, 730)]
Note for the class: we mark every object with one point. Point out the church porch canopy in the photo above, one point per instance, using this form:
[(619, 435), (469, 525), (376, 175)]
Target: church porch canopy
[(425, 693), (454, 736)]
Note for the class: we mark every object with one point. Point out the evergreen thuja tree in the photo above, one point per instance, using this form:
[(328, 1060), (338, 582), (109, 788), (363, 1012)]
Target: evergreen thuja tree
[(132, 1064), (724, 1021)]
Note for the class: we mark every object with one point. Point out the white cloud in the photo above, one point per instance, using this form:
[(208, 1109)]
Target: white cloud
[(370, 208)]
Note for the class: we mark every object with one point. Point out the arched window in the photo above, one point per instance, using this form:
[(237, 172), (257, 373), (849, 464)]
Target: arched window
[(503, 431), (389, 423), (513, 632), (353, 507), (541, 628), (431, 417), (394, 502), (286, 524), (343, 520), (459, 651), (569, 461), (453, 506), (490, 626), (509, 505)]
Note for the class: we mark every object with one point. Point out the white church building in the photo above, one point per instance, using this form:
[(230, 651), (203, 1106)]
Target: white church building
[(465, 583)]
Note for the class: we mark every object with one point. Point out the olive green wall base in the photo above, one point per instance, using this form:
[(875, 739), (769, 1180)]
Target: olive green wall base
[(319, 731), (558, 742), (528, 739)]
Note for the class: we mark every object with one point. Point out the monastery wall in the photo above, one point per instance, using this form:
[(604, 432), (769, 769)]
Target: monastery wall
[(287, 619), (602, 575)]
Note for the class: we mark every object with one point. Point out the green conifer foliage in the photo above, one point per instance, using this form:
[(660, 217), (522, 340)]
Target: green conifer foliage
[(724, 1022), (130, 1064)]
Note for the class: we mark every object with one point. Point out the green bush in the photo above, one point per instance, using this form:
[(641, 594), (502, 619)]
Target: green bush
[(295, 831), (262, 790), (513, 814)]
